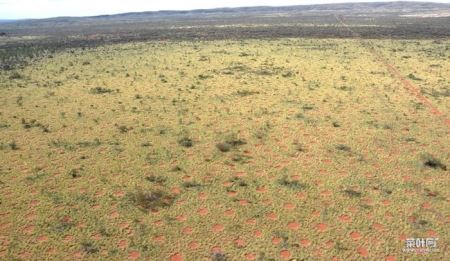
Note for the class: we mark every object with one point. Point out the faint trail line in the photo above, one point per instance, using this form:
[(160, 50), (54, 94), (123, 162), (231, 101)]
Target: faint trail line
[(410, 87)]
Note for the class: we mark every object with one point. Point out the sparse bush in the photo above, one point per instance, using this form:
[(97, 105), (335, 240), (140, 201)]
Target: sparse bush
[(352, 193), (413, 77), (74, 173), (192, 184), (123, 129), (230, 142), (186, 142), (13, 145), (156, 179), (224, 147), (292, 184), (153, 199), (343, 147), (34, 124), (219, 256), (89, 248), (287, 74), (15, 76), (245, 93), (432, 162), (100, 90)]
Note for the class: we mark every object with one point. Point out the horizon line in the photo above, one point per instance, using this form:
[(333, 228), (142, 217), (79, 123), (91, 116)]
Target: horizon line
[(215, 8)]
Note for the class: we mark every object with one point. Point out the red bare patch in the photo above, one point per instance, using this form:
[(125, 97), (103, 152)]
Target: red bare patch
[(285, 254), (432, 233), (227, 184), (119, 193), (355, 235), (29, 229), (321, 227), (194, 245), (305, 242), (329, 244), (272, 216), (362, 251), (202, 195), (113, 215), (251, 221), (250, 256), (239, 242), (96, 236), (68, 238), (326, 193), (232, 193), (276, 240), (390, 258), (181, 218), (289, 206), (78, 255), (187, 230), (315, 213), (176, 257), (187, 178), (122, 245), (229, 212), (175, 191), (133, 255), (240, 174), (159, 239), (261, 190), (243, 202), (426, 205), (218, 228), (216, 249), (378, 226), (293, 225), (295, 177), (345, 218), (41, 239), (203, 211), (31, 216)]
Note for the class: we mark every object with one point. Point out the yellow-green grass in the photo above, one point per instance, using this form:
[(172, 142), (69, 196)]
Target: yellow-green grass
[(326, 152)]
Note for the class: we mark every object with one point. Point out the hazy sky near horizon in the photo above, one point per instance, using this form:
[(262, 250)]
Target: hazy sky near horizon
[(19, 9)]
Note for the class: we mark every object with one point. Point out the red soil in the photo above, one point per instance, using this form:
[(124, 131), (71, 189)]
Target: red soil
[(133, 255), (285, 254), (176, 257), (218, 228)]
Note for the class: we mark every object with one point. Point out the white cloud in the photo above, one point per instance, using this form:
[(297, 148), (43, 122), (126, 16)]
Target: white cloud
[(51, 8)]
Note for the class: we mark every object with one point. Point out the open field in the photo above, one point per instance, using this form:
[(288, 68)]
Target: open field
[(250, 149)]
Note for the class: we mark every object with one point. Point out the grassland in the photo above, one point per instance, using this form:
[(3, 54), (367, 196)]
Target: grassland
[(250, 149)]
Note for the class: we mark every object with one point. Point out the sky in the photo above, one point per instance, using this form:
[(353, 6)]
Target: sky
[(20, 9)]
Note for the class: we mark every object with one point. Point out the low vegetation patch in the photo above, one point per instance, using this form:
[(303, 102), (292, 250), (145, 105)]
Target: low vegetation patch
[(152, 199)]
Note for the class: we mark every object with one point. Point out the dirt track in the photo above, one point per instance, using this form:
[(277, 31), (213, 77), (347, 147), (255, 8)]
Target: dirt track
[(408, 85)]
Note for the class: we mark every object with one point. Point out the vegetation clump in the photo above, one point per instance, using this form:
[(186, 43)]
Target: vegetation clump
[(100, 90), (153, 199), (15, 76), (432, 162), (291, 184), (230, 143), (186, 142)]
